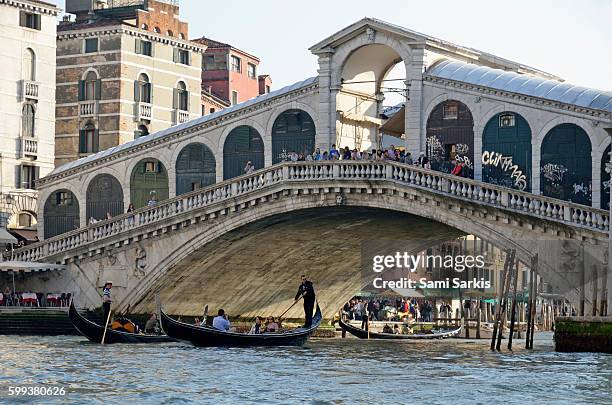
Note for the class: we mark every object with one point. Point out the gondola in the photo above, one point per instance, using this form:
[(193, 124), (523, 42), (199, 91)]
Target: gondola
[(363, 334), (93, 331), (207, 336)]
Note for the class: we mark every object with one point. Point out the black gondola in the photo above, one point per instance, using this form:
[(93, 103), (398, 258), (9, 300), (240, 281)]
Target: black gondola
[(207, 336), (93, 331), (363, 334)]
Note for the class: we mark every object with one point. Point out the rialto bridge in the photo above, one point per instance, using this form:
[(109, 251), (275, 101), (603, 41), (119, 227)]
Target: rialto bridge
[(535, 146)]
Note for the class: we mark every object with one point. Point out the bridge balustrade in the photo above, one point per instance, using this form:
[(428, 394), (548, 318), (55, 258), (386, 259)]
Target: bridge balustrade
[(348, 172)]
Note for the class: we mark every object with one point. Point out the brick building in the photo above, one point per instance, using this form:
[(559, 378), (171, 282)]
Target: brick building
[(125, 68), (229, 76)]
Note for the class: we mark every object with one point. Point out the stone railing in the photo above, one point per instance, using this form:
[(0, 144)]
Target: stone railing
[(341, 173), (180, 116), (29, 146), (30, 89), (88, 108), (144, 111)]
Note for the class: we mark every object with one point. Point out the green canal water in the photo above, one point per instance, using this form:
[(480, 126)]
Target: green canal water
[(326, 371)]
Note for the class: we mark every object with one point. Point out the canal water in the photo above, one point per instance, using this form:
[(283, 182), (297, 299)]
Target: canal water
[(325, 371)]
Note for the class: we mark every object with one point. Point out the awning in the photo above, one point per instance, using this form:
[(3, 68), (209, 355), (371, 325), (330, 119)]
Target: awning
[(14, 266), (6, 238), (27, 235), (395, 124)]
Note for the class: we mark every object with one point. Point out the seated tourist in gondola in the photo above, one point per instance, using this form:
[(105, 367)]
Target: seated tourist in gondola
[(271, 325), (396, 330), (220, 321), (406, 329), (257, 327), (152, 326), (387, 329)]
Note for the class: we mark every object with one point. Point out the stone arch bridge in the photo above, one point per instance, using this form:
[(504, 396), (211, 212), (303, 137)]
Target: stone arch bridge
[(241, 244)]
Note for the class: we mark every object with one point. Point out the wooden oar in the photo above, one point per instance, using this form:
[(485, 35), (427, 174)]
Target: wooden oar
[(106, 325), (295, 302)]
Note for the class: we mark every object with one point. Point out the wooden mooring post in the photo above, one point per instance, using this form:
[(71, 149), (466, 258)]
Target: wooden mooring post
[(513, 311), (531, 303), (500, 316)]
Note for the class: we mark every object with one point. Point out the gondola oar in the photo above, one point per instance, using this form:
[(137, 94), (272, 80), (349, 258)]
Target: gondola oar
[(106, 325), (295, 302)]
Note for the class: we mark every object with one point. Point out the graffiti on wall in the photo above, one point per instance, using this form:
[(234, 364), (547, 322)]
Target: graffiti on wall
[(554, 172), (506, 165)]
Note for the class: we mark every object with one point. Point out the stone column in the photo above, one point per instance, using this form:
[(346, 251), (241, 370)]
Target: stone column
[(327, 102), (608, 276), (413, 121)]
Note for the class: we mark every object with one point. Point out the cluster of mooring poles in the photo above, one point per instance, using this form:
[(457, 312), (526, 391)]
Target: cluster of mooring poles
[(509, 279)]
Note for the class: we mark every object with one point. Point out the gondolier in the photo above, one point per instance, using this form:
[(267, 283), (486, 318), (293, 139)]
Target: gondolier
[(306, 291), (106, 299)]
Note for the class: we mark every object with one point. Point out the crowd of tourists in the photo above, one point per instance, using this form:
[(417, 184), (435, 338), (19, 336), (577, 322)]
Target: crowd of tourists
[(391, 153), (393, 310)]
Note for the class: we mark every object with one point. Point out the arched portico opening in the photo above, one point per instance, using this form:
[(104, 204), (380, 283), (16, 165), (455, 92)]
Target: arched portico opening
[(605, 179), (61, 213), (104, 197), (148, 183), (195, 168), (372, 81), (243, 144), (450, 137), (565, 164), (293, 131), (506, 151)]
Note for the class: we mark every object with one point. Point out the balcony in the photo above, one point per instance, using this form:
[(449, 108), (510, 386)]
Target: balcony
[(88, 108), (29, 147), (29, 90), (144, 111), (180, 116)]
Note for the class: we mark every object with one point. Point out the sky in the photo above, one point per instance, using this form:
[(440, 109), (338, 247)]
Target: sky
[(569, 38)]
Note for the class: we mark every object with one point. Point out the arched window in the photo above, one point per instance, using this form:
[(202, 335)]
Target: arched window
[(195, 168), (142, 89), (61, 213), (293, 131), (144, 26), (29, 65), (142, 131), (181, 97), (182, 36), (605, 180), (88, 139), (28, 121), (170, 33), (91, 81), (157, 30)]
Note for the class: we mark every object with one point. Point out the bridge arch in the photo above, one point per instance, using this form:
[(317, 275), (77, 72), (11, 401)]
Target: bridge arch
[(148, 182), (61, 213), (508, 134), (293, 131), (565, 164), (242, 143), (195, 168), (450, 135), (104, 195)]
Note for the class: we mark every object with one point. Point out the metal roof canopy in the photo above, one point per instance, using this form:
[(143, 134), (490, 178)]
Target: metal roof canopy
[(6, 238), (14, 266), (523, 84)]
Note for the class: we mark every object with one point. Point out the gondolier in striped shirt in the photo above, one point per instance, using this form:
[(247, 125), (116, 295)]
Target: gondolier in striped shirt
[(106, 299), (306, 290)]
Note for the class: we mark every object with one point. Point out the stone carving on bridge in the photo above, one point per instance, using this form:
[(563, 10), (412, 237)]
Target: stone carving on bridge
[(371, 34), (570, 256), (140, 262)]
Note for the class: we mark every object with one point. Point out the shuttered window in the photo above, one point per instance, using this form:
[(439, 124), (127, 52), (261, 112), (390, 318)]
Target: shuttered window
[(29, 20), (91, 45)]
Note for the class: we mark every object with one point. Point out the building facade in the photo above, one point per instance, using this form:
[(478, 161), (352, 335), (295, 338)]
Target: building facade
[(123, 72), (27, 106), (229, 76)]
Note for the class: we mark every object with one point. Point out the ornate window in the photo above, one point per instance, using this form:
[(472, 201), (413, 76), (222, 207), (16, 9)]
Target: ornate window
[(88, 139), (142, 91), (28, 121), (450, 111), (506, 120), (182, 97)]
